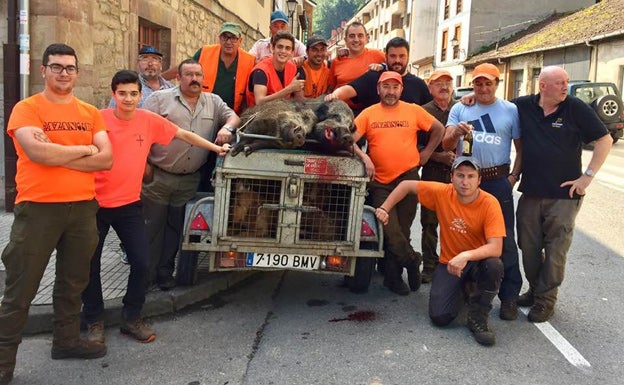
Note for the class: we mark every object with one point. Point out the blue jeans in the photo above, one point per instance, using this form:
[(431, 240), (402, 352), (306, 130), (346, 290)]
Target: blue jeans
[(512, 279), (127, 221)]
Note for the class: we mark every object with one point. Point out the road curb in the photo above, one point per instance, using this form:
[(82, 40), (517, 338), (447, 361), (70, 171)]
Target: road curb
[(157, 302)]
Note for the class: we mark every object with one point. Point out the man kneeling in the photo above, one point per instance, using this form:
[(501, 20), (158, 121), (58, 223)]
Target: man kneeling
[(471, 241)]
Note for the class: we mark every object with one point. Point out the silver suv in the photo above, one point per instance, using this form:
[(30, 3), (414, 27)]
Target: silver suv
[(606, 100)]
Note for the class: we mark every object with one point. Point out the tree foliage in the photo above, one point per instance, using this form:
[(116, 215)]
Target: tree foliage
[(330, 13)]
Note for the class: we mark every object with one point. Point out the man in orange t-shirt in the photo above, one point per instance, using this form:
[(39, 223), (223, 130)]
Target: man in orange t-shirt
[(471, 238), (132, 131), (391, 129), (60, 141), (318, 79)]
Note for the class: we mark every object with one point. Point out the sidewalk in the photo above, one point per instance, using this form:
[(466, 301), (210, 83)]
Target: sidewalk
[(114, 279)]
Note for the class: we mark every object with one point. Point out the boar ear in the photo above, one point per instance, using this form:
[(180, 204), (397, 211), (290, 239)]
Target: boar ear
[(322, 112)]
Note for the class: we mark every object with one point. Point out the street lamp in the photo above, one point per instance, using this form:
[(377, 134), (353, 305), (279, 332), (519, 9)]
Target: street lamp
[(292, 6)]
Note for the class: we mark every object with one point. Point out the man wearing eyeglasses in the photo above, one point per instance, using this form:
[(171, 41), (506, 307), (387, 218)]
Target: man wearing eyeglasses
[(226, 67), (150, 74), (60, 142)]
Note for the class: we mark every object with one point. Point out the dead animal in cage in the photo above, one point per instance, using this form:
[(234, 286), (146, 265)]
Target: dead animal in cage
[(276, 124), (248, 217)]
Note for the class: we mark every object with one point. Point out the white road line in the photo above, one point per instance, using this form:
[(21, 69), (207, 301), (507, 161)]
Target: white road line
[(569, 352)]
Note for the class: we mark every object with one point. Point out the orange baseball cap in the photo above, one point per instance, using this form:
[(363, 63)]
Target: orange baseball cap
[(437, 74), (390, 75), (486, 70)]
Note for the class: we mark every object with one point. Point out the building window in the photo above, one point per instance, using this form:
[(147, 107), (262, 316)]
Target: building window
[(447, 9), (459, 7), (456, 42), (444, 45), (155, 35)]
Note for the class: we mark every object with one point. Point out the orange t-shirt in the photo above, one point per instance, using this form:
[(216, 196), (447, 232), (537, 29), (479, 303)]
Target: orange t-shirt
[(391, 133), (462, 226), (131, 141), (347, 69), (74, 123)]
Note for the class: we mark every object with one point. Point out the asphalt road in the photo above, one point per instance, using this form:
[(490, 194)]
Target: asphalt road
[(283, 328)]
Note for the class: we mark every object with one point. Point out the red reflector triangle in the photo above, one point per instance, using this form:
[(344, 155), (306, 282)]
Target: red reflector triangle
[(366, 229), (199, 223)]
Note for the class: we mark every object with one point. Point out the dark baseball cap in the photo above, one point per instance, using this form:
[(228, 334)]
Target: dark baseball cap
[(149, 50), (466, 159), (314, 40)]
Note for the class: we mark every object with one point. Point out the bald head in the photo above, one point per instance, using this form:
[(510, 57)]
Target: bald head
[(553, 85)]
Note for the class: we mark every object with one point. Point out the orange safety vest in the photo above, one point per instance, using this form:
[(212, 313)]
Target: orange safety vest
[(274, 83), (316, 81), (209, 60)]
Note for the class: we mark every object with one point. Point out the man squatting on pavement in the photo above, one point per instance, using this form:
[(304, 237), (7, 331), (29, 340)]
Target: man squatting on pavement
[(471, 241)]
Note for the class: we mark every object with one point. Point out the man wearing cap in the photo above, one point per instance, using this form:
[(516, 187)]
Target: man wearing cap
[(362, 92), (471, 233), (150, 74), (262, 48), (495, 125), (226, 67), (391, 128), (438, 168), (276, 77), (317, 74)]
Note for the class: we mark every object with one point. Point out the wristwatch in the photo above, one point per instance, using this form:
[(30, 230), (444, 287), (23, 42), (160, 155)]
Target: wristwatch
[(230, 129), (589, 172)]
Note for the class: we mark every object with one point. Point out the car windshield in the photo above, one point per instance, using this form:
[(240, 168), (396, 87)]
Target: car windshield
[(592, 92)]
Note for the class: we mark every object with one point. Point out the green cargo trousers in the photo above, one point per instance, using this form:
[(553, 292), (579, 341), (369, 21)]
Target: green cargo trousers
[(38, 229)]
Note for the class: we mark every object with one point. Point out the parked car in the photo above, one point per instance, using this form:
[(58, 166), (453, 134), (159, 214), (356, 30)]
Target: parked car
[(605, 99), (461, 91)]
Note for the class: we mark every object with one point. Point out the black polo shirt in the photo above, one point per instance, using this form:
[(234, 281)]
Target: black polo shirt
[(552, 145), (415, 90)]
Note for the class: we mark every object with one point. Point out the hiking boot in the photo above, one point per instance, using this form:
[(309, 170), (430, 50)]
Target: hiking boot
[(427, 275), (508, 310), (81, 349), (166, 284), (95, 332), (5, 376), (540, 312), (414, 278), (477, 323), (397, 286), (526, 299), (138, 330)]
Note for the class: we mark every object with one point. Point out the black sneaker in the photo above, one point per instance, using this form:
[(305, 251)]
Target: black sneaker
[(397, 286), (508, 310), (81, 349), (526, 299), (166, 284), (540, 312)]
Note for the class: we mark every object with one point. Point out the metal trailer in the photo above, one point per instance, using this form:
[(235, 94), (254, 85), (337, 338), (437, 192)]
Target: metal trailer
[(284, 209)]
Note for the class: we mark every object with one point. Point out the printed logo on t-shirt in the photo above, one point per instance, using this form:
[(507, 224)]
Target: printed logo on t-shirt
[(67, 126), (484, 131), (459, 225), (558, 123), (390, 124)]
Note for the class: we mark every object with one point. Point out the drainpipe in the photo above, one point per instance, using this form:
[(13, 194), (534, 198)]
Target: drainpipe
[(593, 61), (11, 97)]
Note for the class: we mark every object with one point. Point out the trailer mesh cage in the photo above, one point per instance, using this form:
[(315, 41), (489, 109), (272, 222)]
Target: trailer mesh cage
[(322, 209), (325, 213)]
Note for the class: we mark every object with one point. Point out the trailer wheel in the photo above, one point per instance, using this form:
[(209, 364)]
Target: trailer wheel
[(360, 281), (187, 268)]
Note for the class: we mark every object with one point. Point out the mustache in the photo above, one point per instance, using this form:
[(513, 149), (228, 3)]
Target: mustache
[(194, 83)]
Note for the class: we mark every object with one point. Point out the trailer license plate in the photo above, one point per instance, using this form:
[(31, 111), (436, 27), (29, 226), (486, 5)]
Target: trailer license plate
[(302, 262)]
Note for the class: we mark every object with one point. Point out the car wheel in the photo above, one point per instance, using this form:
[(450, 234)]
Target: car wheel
[(361, 279), (186, 273), (608, 107)]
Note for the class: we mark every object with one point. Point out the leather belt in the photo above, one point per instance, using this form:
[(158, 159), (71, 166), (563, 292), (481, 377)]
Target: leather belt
[(494, 172)]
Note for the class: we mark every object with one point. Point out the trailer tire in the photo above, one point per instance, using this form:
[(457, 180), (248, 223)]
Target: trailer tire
[(361, 279), (186, 273)]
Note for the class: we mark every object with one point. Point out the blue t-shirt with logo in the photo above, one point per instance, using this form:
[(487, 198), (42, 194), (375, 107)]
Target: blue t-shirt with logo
[(495, 126)]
